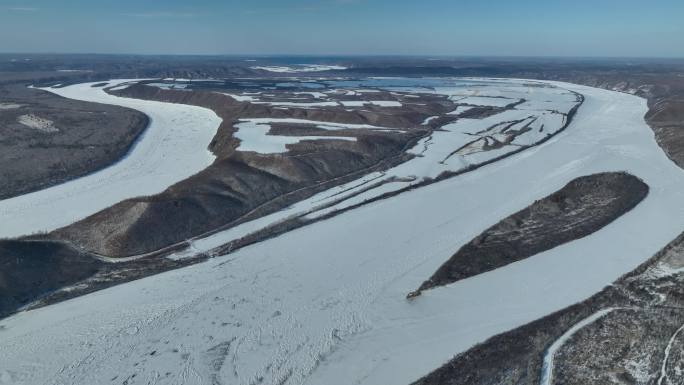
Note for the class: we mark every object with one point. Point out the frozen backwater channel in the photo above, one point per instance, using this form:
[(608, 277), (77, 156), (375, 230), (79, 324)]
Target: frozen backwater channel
[(173, 147), (325, 304)]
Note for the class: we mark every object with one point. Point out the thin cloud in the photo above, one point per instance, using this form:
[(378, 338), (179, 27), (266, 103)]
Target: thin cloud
[(265, 11), (160, 14), (310, 6), (22, 9)]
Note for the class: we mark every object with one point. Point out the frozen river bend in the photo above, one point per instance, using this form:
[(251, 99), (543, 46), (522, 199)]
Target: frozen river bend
[(325, 304), (172, 148)]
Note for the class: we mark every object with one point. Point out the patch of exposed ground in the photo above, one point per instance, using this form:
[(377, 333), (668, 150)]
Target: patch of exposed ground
[(580, 208), (636, 339), (46, 140), (38, 123)]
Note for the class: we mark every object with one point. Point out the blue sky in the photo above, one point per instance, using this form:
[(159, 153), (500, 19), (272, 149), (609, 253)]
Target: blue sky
[(405, 27)]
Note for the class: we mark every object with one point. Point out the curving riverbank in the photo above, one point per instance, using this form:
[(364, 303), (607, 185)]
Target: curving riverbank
[(174, 147)]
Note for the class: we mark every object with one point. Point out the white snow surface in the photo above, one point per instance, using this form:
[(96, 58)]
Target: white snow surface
[(300, 68), (300, 104), (429, 119), (486, 101), (436, 154), (324, 304), (460, 109), (253, 135), (379, 103), (119, 88), (10, 106), (241, 98), (319, 124), (318, 95), (173, 147)]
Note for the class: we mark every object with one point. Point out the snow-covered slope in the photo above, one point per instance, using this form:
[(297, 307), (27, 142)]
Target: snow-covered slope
[(325, 304), (172, 148)]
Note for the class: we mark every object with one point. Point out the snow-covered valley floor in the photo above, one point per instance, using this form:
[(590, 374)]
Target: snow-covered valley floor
[(173, 147), (325, 304)]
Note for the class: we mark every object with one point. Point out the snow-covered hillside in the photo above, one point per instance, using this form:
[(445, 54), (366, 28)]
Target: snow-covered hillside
[(325, 304)]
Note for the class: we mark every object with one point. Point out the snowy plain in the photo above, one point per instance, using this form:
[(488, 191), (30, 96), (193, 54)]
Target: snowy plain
[(173, 147), (325, 304)]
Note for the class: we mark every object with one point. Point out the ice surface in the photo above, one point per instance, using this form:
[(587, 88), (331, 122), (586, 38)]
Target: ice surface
[(168, 86), (300, 68), (460, 109), (486, 101), (300, 104), (241, 98), (325, 304), (300, 85), (119, 88), (380, 103), (319, 124), (253, 136), (318, 95), (172, 148)]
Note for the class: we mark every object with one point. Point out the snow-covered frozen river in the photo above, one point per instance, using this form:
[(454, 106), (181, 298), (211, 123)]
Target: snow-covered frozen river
[(173, 147), (325, 304)]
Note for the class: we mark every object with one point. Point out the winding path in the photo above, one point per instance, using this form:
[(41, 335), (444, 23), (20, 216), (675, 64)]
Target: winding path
[(663, 368), (548, 364)]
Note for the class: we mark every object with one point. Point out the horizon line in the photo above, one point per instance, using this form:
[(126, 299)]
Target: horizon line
[(343, 55)]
